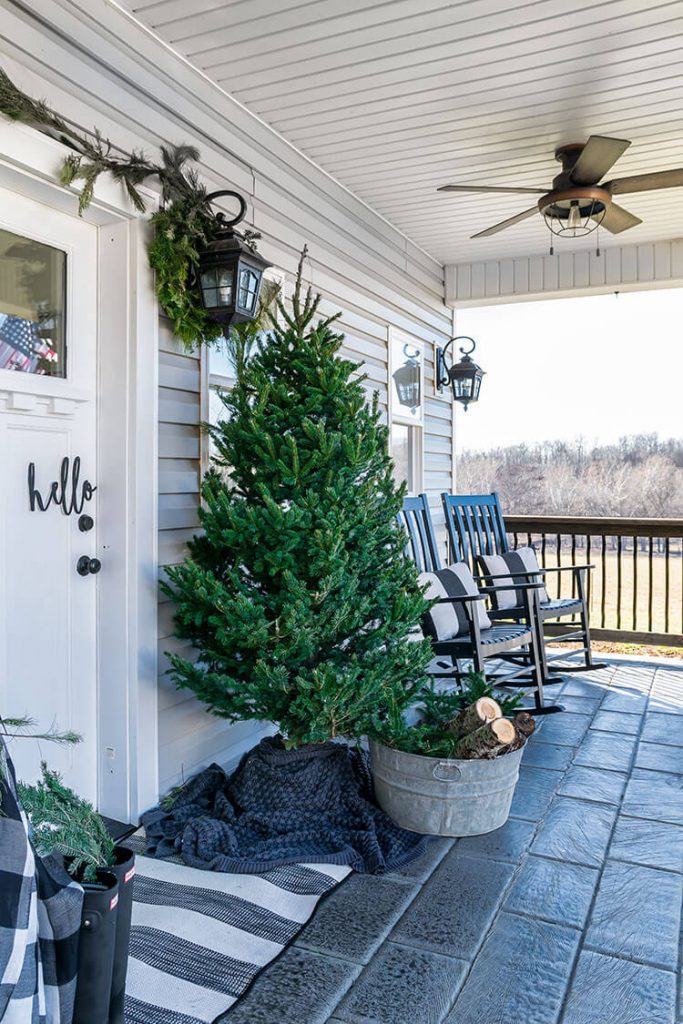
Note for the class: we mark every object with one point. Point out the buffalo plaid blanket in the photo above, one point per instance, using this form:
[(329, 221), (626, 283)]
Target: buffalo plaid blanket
[(40, 915)]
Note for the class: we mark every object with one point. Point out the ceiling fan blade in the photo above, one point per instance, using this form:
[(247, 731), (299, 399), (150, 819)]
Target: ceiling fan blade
[(489, 188), (506, 223), (617, 219), (645, 182), (596, 158)]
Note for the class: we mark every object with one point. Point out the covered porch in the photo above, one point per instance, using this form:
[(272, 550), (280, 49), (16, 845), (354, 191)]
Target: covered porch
[(337, 124), (570, 912)]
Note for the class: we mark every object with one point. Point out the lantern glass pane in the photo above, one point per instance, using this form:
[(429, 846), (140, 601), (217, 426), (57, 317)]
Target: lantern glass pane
[(406, 362), (216, 287), (248, 289)]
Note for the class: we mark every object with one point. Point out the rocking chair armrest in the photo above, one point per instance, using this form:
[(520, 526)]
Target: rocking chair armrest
[(462, 599), (568, 568), (517, 586), (509, 575)]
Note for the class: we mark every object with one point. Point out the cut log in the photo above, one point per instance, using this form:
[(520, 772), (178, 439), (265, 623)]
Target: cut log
[(525, 722), (524, 726), (473, 717), (486, 741)]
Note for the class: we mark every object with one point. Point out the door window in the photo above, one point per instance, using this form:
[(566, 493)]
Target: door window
[(32, 306)]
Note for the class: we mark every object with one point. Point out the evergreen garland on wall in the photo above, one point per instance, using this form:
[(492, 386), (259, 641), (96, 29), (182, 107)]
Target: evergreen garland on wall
[(183, 224)]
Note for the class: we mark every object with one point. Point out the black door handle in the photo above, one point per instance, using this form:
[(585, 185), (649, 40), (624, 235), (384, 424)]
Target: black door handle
[(86, 566)]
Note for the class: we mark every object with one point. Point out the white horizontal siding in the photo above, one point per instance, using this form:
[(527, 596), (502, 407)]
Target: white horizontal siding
[(649, 265)]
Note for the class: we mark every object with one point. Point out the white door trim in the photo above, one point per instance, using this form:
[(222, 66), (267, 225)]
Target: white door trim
[(127, 441)]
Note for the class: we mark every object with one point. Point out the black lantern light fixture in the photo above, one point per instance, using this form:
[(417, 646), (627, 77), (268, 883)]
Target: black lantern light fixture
[(229, 271), (464, 377), (407, 378)]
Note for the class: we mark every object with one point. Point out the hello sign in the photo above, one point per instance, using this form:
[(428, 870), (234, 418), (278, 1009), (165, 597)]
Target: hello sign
[(67, 491)]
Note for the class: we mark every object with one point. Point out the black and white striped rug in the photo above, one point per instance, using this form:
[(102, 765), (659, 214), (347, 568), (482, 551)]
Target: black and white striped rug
[(199, 938)]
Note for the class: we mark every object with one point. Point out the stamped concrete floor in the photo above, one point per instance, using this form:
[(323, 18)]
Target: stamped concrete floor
[(569, 914)]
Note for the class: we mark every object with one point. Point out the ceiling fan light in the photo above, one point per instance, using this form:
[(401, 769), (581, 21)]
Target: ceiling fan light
[(574, 218)]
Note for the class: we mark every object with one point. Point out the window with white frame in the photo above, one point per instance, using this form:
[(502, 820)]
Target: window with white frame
[(406, 408)]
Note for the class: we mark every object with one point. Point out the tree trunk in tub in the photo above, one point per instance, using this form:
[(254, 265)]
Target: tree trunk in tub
[(473, 717), (487, 741)]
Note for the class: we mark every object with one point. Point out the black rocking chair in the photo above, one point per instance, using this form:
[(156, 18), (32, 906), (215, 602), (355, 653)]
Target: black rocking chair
[(514, 643), (476, 527)]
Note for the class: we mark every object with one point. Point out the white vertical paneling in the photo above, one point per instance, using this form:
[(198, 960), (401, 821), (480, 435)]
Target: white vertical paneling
[(629, 264), (646, 263), (663, 262), (565, 271), (520, 276), (580, 272), (507, 277), (613, 266), (478, 286), (492, 279), (596, 273), (551, 273), (581, 269), (536, 277)]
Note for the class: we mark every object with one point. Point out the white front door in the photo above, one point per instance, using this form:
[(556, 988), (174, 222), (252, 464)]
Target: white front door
[(49, 485)]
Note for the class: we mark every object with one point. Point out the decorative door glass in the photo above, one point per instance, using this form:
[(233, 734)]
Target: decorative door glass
[(32, 306)]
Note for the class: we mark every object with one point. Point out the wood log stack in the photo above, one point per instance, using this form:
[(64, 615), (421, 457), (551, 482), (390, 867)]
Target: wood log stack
[(480, 731)]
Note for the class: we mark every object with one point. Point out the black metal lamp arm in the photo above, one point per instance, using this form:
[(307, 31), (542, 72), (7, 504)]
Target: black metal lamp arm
[(442, 376), (224, 223)]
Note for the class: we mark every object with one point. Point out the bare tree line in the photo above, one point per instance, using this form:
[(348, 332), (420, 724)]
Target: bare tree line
[(640, 476)]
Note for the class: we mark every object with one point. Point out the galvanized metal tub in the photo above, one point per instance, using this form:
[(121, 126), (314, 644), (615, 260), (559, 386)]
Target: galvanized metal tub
[(444, 797)]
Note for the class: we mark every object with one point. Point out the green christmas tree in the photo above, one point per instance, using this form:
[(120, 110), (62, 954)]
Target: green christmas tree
[(297, 594)]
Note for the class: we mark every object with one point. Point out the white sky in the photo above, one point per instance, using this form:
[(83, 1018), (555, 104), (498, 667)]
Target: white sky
[(598, 367)]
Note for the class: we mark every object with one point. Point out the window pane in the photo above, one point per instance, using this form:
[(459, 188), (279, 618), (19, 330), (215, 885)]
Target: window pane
[(32, 306), (401, 453)]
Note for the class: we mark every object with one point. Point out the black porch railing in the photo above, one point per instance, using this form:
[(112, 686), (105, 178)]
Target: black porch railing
[(635, 592)]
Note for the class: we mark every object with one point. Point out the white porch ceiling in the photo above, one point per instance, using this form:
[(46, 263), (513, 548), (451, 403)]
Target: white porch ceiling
[(395, 98)]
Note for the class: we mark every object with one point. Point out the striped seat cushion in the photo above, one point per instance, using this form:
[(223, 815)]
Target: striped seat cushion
[(511, 564), (445, 621), (562, 605)]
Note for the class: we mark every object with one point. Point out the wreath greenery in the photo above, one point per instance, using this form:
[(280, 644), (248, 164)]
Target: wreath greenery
[(182, 225)]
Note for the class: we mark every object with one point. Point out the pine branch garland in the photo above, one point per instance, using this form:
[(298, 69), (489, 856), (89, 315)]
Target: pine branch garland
[(183, 224)]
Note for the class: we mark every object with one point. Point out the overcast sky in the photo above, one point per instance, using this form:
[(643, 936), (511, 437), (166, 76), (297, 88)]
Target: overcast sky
[(599, 367)]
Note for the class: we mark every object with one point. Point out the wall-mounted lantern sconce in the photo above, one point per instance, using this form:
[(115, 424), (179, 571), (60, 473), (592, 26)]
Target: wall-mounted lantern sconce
[(229, 271), (407, 378), (464, 377)]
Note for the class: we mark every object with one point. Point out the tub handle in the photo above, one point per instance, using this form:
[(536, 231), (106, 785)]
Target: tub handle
[(446, 772)]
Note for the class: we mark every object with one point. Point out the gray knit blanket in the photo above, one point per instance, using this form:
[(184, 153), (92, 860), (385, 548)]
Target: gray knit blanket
[(313, 805)]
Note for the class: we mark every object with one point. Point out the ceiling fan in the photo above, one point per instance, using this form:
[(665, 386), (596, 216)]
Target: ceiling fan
[(576, 204)]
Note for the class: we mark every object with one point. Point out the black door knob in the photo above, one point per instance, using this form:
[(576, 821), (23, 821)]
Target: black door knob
[(86, 566), (85, 523)]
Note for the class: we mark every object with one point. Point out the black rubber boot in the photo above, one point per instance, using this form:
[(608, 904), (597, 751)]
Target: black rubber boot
[(124, 869), (96, 950)]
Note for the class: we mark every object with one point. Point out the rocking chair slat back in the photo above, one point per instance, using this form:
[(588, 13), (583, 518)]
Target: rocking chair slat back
[(416, 520), (475, 526)]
